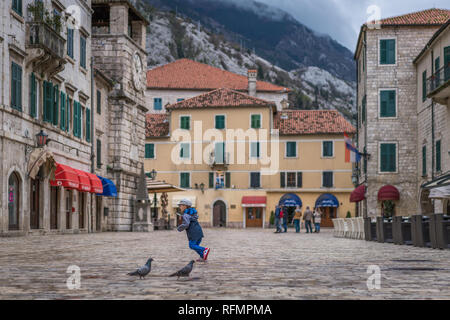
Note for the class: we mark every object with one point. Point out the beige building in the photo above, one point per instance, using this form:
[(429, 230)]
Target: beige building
[(186, 78), (433, 113), (388, 95), (237, 156)]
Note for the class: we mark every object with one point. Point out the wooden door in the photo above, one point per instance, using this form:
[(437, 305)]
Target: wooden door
[(98, 216), (254, 218), (34, 203), (327, 215), (54, 207), (13, 202), (219, 214), (81, 216), (69, 210)]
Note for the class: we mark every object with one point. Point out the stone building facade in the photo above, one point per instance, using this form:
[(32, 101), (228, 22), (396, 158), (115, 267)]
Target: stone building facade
[(387, 108), (433, 113), (119, 36)]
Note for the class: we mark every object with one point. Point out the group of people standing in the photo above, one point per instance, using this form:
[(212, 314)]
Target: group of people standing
[(309, 218)]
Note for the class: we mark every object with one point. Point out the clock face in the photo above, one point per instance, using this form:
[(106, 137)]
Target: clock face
[(137, 72)]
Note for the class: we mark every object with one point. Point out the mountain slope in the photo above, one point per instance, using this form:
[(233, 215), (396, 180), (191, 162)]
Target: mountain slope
[(274, 34)]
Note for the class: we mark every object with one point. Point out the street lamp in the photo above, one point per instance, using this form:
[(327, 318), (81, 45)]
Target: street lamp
[(153, 174), (355, 178), (42, 139)]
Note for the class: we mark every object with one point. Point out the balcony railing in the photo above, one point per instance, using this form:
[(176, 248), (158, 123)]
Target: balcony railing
[(41, 35), (438, 80)]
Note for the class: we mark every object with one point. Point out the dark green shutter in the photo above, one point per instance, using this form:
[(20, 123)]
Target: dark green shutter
[(48, 101), (282, 179), (299, 180), (62, 121), (387, 51), (83, 52), (99, 153), (391, 51), (55, 105), (17, 6), (227, 180), (424, 161), (211, 180), (149, 150), (70, 42), (99, 102), (69, 112), (387, 103), (447, 63), (256, 121), (185, 123), (185, 180), (383, 52), (16, 86), (88, 125), (220, 122), (424, 86), (33, 95), (388, 157), (392, 156), (438, 156), (76, 117)]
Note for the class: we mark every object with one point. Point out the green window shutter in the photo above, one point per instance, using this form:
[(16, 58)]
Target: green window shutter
[(220, 122), (424, 161), (99, 102), (391, 51), (424, 86), (149, 151), (327, 148), (256, 121), (68, 116), (392, 158), (227, 180), (254, 152), (16, 86), (70, 42), (79, 120), (387, 51), (184, 177), (327, 179), (55, 105), (76, 116), (211, 180), (83, 52), (88, 125), (438, 156), (62, 120), (387, 103), (388, 157), (17, 6), (383, 52), (48, 101), (299, 180), (363, 113), (447, 63), (33, 95), (291, 149), (99, 154), (185, 123), (282, 179)]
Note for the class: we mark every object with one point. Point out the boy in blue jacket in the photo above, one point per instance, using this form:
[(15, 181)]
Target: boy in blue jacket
[(193, 229)]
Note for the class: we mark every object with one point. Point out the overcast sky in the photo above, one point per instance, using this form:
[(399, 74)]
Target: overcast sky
[(342, 19)]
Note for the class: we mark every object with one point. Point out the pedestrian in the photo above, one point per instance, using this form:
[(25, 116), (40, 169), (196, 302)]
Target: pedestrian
[(307, 217), (282, 214), (317, 220), (277, 219), (297, 218), (285, 219), (193, 229)]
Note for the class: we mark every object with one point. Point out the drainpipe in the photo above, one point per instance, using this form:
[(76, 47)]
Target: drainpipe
[(432, 121), (365, 121), (92, 140)]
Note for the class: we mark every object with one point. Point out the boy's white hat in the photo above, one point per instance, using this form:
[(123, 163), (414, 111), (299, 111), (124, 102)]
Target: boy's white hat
[(185, 202)]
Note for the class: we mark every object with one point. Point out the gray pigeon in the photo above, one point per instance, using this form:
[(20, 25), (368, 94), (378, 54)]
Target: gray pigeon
[(185, 271), (143, 271)]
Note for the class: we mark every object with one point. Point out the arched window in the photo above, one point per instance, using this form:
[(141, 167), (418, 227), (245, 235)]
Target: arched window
[(13, 201)]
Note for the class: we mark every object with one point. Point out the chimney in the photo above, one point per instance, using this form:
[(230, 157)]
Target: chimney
[(252, 82)]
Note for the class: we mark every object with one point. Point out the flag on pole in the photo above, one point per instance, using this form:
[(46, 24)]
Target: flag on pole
[(351, 153)]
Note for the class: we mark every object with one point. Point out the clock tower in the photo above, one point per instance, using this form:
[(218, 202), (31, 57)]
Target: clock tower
[(118, 50)]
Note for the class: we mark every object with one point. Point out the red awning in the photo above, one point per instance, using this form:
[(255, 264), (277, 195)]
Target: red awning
[(85, 182), (254, 201), (65, 176), (359, 194), (96, 183), (388, 193)]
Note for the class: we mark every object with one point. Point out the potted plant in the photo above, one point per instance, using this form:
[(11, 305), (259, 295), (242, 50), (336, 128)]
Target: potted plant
[(349, 215)]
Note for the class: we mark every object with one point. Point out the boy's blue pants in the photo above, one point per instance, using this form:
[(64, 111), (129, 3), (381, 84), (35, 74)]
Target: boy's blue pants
[(195, 245)]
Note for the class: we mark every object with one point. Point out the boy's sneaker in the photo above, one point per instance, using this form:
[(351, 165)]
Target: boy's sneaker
[(205, 254)]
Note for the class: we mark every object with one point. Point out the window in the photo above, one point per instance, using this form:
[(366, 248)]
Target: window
[(363, 111), (185, 150), (437, 63), (157, 103), (55, 106), (63, 120), (387, 51), (219, 152), (254, 150), (69, 123), (99, 102), (291, 179), (99, 154), (424, 86), (446, 63), (211, 180), (83, 51), (180, 99), (327, 179), (185, 122), (255, 121), (70, 42), (16, 86), (88, 125), (185, 180), (77, 119), (220, 122), (424, 161), (48, 101), (33, 96), (438, 156), (327, 149), (228, 180), (149, 151), (17, 6), (388, 157), (291, 149), (388, 104), (255, 180)]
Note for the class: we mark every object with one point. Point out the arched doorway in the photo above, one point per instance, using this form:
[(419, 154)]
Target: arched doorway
[(289, 202), (13, 201), (219, 214), (426, 204), (327, 204)]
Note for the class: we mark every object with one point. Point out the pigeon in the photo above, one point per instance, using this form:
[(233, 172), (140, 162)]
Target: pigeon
[(185, 271), (143, 271)]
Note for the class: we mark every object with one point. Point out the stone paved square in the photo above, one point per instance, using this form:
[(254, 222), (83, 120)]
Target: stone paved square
[(243, 264)]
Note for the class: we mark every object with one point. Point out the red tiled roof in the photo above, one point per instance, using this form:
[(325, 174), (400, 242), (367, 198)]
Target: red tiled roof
[(425, 17), (156, 125), (221, 98), (293, 122), (191, 75)]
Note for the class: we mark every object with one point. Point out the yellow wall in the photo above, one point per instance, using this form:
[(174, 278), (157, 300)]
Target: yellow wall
[(309, 161)]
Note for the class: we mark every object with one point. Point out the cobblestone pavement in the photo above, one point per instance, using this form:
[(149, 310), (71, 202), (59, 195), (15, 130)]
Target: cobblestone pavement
[(243, 264)]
